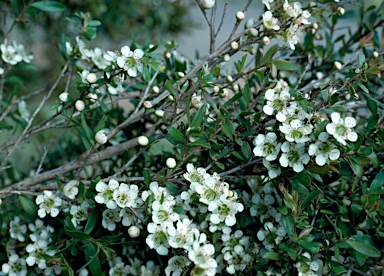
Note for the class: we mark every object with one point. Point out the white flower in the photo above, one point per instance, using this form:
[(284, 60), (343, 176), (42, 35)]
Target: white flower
[(194, 175), (293, 156), (296, 131), (10, 55), (48, 204), (36, 252), (270, 22), (79, 213), (158, 239), (100, 137), (130, 60), (273, 170), (16, 266), (17, 230), (201, 255), (342, 129), (110, 217), (196, 101), (125, 195), (267, 2), (324, 150), (105, 195), (267, 146), (176, 265), (277, 100), (119, 269), (97, 57), (293, 34), (70, 190)]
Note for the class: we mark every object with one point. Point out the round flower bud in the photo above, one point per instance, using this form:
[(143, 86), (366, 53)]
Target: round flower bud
[(79, 105), (147, 104), (223, 93), (1, 71), (266, 40), (156, 89), (64, 97), (170, 98), (168, 55), (240, 15), (375, 54), (226, 57), (143, 141), (216, 89), (151, 46), (208, 4), (234, 45), (338, 65), (91, 78), (249, 23), (92, 97), (236, 87), (253, 32), (171, 163), (340, 10), (181, 74), (159, 113), (229, 78), (100, 137), (133, 231), (315, 26)]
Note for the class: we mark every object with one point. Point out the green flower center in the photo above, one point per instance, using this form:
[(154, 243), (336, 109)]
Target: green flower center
[(293, 156)]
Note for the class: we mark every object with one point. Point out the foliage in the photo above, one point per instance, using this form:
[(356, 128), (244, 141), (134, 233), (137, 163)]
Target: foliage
[(263, 158)]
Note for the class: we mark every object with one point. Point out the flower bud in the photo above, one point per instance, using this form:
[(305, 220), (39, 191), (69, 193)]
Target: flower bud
[(375, 54), (64, 97), (91, 78), (133, 231), (167, 55), (155, 89), (147, 104), (229, 78), (1, 71), (253, 32), (223, 93), (340, 10), (338, 65), (143, 141), (216, 89), (159, 113), (315, 26), (181, 74), (208, 4), (234, 45), (249, 23), (151, 46), (266, 40), (101, 138), (79, 105), (170, 98), (171, 163), (236, 87), (240, 15), (226, 57)]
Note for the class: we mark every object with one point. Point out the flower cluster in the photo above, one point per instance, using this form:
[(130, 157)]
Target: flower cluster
[(297, 127)]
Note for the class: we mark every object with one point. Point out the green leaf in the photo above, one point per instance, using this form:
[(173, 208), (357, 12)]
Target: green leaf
[(246, 150), (233, 99), (147, 176), (169, 86), (176, 134), (90, 33), (311, 247), (200, 142), (103, 106), (363, 87), (364, 248), (372, 122), (146, 74), (199, 116), (374, 70), (78, 235), (101, 123), (247, 94), (337, 268), (92, 259), (172, 188), (227, 130), (87, 129), (304, 178), (288, 225), (49, 6), (285, 65), (241, 63), (310, 197), (273, 256), (92, 220), (372, 106), (269, 55), (28, 205), (377, 183), (360, 258)]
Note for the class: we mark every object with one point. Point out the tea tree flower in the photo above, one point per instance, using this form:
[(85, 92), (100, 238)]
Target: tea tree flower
[(267, 146), (36, 252), (324, 150), (70, 189), (79, 213), (110, 217), (125, 195), (296, 131), (17, 230), (277, 100), (270, 22), (293, 156), (267, 3), (15, 266), (9, 54), (105, 193), (130, 60), (157, 239), (342, 129), (48, 204), (176, 265)]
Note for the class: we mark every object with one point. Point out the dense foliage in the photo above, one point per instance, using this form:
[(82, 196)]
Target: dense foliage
[(264, 157)]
